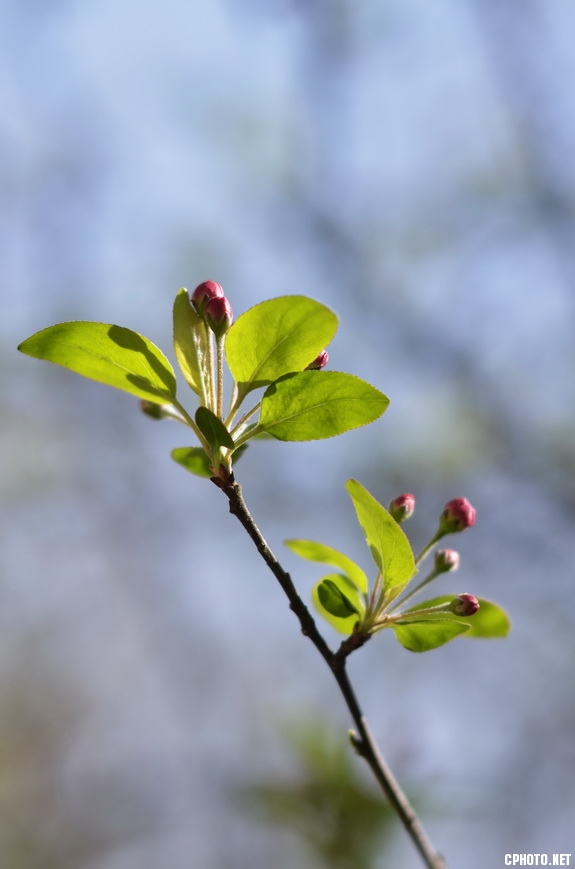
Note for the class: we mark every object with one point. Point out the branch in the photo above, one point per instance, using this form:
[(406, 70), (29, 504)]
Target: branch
[(363, 740)]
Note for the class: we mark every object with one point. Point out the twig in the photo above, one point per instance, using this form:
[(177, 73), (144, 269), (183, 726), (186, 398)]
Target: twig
[(363, 740)]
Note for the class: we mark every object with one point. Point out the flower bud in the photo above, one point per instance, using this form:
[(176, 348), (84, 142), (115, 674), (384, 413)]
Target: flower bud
[(457, 515), (219, 315), (203, 293), (446, 560), (402, 507), (464, 605), (319, 362), (151, 409)]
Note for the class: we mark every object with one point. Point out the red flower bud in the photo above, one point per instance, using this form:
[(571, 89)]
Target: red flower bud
[(203, 293), (446, 560), (457, 515), (402, 507), (219, 315), (319, 362), (464, 605)]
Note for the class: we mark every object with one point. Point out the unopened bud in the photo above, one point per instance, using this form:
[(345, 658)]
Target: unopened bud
[(402, 507), (319, 362), (464, 605), (446, 560), (219, 315), (457, 515), (203, 293), (151, 409)]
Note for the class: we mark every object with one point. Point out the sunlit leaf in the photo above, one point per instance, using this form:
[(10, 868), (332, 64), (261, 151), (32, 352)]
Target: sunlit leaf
[(277, 337), (313, 405), (348, 589), (194, 460), (190, 341), (313, 551), (489, 622), (109, 354), (388, 544), (426, 634)]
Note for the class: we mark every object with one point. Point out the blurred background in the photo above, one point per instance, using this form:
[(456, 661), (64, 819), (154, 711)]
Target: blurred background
[(410, 165)]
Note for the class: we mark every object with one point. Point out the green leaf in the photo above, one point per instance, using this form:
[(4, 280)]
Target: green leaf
[(489, 622), (213, 429), (427, 634), (109, 354), (194, 460), (277, 337), (190, 341), (334, 600), (312, 405), (348, 590), (388, 544), (326, 555)]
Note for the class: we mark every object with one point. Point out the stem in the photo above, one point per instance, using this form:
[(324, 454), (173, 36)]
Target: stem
[(220, 369), (212, 403), (233, 400), (428, 547), (188, 420), (244, 418), (363, 741), (417, 589)]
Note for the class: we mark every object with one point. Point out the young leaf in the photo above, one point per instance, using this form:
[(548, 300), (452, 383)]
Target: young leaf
[(109, 354), (334, 600), (194, 460), (424, 635), (326, 555), (213, 428), (312, 405), (277, 337), (348, 590), (388, 544), (190, 341), (489, 622)]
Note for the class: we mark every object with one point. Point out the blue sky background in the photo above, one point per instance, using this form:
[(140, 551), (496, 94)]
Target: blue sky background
[(408, 164)]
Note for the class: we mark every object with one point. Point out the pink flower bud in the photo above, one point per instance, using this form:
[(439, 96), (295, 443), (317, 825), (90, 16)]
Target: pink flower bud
[(446, 560), (319, 362), (402, 507), (464, 605), (203, 293), (219, 315), (457, 515)]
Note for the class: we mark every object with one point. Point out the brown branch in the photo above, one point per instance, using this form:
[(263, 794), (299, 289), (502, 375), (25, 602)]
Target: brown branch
[(363, 740)]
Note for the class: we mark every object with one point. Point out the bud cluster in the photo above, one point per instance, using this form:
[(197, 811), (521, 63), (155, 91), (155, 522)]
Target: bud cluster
[(211, 304)]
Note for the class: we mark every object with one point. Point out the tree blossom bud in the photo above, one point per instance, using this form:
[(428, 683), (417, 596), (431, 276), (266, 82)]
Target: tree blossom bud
[(151, 409), (446, 560), (203, 293), (219, 315), (464, 605), (319, 362), (402, 507), (457, 515)]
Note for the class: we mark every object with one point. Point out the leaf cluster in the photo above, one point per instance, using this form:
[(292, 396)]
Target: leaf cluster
[(345, 600), (268, 348)]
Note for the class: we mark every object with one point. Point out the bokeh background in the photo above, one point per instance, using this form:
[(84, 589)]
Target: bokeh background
[(411, 165)]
